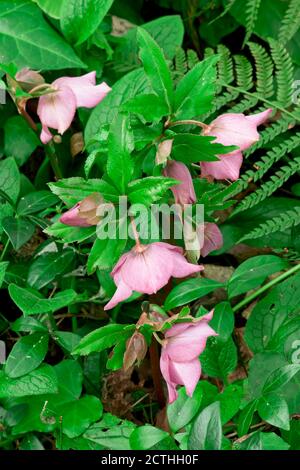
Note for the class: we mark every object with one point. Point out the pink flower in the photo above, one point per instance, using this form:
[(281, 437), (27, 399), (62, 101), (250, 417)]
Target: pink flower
[(57, 109), (179, 361), (210, 238), (147, 268), (232, 129), (184, 193), (84, 213)]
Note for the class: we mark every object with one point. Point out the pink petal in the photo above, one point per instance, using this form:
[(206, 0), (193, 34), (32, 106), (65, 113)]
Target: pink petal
[(190, 343), (57, 110), (87, 93), (71, 217), (234, 129), (165, 370), (182, 268), (184, 193), (123, 292), (213, 238), (186, 373), (228, 167), (46, 135), (260, 118)]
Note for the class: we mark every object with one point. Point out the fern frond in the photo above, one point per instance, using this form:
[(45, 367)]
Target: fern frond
[(266, 162), (268, 134), (264, 70), (279, 223), (243, 68), (252, 9), (290, 23), (245, 105), (268, 188), (192, 58), (284, 72), (225, 64)]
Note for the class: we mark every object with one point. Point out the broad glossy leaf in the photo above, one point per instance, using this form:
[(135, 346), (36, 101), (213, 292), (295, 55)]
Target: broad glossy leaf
[(19, 139), (219, 358), (27, 354), (274, 409), (182, 411), (78, 415), (36, 202), (18, 230), (102, 338), (38, 382), (223, 320), (206, 432), (10, 178), (190, 290), (47, 266), (149, 437)]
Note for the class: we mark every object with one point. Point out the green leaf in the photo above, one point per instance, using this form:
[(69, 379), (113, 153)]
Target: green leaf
[(111, 432), (69, 234), (73, 190), (151, 107), (26, 355), (148, 437), (271, 441), (26, 142), (67, 340), (252, 273), (31, 442), (183, 410), (102, 338), (47, 266), (194, 148), (105, 253), (39, 381), (31, 302), (27, 40), (274, 311), (19, 231), (245, 418), (223, 320), (219, 358), (132, 84), (149, 190), (274, 409), (10, 178), (120, 143), (155, 67), (36, 202), (230, 400), (280, 377), (206, 432), (195, 91), (79, 19), (70, 378), (115, 360), (28, 324), (78, 415), (189, 290), (3, 267), (51, 7)]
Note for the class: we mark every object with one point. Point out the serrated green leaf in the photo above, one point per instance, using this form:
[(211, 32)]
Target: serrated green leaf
[(149, 190), (102, 338), (190, 290)]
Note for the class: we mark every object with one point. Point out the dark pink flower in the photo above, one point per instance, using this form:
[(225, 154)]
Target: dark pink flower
[(232, 129), (84, 213), (210, 238), (147, 268), (179, 361), (57, 109), (184, 193)]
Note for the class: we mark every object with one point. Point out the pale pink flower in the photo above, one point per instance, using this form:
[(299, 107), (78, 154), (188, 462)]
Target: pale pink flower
[(179, 360), (147, 268), (184, 192), (57, 110), (210, 238), (84, 213), (232, 129)]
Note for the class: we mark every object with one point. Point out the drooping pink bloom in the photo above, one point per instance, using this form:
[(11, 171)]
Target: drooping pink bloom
[(184, 193), (57, 110), (29, 79), (232, 129), (179, 360), (210, 238), (84, 213), (147, 268)]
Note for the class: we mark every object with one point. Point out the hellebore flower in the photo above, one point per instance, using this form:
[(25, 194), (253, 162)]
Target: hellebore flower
[(84, 213), (147, 268), (210, 238), (57, 109), (232, 129), (136, 350), (184, 192), (179, 360)]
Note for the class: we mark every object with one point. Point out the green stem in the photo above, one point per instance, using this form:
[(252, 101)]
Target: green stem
[(272, 283), (264, 100), (4, 250), (188, 122), (50, 151)]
